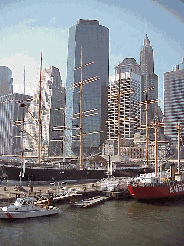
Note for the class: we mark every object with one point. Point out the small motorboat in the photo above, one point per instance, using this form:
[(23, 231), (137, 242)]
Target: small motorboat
[(25, 208)]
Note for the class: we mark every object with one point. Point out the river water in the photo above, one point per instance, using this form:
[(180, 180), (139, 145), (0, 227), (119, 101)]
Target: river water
[(112, 223)]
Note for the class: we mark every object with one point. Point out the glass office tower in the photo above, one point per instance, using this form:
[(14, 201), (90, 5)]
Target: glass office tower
[(94, 40), (6, 81)]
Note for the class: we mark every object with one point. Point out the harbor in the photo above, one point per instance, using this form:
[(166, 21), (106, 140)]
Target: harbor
[(114, 222), (92, 130), (62, 192), (100, 207)]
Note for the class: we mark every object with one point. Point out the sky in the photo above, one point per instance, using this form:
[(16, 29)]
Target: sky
[(29, 26)]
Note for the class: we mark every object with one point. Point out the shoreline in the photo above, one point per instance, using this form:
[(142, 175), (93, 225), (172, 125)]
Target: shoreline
[(9, 193)]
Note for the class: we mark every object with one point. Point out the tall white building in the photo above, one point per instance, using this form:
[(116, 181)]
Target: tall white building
[(174, 101), (129, 74), (52, 97)]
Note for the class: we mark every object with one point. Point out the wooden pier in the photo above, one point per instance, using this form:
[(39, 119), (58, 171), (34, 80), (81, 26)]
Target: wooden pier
[(90, 202), (79, 195)]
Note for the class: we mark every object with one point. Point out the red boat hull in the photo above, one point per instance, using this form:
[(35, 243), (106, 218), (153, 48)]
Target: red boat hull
[(157, 191)]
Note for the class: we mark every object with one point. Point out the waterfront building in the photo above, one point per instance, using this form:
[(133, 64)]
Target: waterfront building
[(94, 40), (128, 72), (11, 114), (174, 101), (148, 80), (52, 98), (6, 81)]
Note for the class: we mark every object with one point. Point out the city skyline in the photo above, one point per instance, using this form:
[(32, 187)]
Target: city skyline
[(27, 27)]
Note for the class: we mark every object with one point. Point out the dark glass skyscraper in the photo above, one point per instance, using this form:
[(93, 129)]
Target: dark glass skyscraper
[(94, 40), (6, 81)]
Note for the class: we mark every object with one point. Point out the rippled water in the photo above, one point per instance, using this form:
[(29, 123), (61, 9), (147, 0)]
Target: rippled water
[(111, 223)]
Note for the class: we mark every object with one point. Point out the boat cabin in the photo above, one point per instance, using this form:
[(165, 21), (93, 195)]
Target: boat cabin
[(147, 178)]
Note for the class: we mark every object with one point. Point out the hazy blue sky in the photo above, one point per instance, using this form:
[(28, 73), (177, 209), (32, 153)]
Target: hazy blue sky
[(29, 26)]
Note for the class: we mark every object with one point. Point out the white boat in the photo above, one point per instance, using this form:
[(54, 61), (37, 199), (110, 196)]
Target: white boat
[(112, 183), (25, 208)]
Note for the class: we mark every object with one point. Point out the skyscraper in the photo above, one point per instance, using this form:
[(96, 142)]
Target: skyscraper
[(52, 98), (10, 133), (148, 80), (128, 71), (94, 40), (174, 101), (6, 81)]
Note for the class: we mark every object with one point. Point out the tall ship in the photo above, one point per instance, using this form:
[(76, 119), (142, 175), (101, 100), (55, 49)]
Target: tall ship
[(47, 172), (160, 184), (56, 172), (37, 168), (44, 170), (164, 185)]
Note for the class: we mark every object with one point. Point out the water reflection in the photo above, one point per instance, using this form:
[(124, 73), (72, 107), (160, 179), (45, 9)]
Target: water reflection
[(143, 211)]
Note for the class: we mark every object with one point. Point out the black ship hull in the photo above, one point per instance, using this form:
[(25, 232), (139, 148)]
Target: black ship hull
[(57, 174)]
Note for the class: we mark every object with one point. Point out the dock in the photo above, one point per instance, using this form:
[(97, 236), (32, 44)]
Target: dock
[(58, 193), (79, 194), (90, 202)]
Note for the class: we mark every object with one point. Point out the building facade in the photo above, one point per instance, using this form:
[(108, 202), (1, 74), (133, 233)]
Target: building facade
[(128, 72), (148, 80), (174, 101), (6, 81), (52, 98), (11, 115), (94, 40)]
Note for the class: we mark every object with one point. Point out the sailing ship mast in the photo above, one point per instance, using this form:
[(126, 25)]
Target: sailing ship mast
[(146, 103), (119, 133), (147, 127), (125, 92), (156, 125), (81, 113), (39, 118), (22, 133), (178, 127), (156, 147)]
